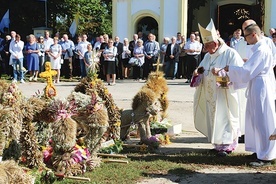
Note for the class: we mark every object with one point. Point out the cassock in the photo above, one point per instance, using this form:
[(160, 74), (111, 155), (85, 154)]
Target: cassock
[(260, 108)]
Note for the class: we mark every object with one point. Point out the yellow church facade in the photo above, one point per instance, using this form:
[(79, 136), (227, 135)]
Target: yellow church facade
[(167, 17)]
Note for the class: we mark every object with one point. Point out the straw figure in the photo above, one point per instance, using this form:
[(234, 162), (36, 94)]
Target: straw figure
[(149, 102)]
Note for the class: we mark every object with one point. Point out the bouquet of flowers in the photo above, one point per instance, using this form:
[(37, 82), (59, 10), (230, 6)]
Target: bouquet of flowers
[(159, 127)]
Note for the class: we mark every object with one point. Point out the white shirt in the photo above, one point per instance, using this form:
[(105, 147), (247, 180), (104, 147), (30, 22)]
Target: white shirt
[(195, 45), (47, 43), (172, 46), (82, 47), (97, 45), (16, 49)]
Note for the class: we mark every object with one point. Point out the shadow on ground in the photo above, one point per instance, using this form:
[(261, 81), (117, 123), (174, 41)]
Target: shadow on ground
[(189, 140), (211, 178)]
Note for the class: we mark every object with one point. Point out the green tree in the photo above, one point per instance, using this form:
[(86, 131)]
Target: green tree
[(95, 16), (192, 5)]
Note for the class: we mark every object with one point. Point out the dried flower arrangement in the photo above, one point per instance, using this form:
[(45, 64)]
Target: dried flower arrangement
[(10, 117), (96, 86), (88, 114), (18, 117), (11, 172)]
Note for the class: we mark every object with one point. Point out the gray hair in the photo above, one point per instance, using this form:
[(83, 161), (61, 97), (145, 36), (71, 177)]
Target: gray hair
[(139, 40), (167, 39)]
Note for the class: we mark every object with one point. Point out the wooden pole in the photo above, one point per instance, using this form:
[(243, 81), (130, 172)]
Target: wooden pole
[(116, 161), (73, 177), (135, 145), (111, 155), (158, 63)]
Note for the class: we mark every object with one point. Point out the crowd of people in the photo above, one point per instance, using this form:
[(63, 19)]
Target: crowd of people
[(70, 59), (246, 106), (19, 58), (178, 55)]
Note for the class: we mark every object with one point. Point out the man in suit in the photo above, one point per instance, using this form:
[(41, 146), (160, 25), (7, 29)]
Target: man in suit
[(119, 63), (172, 57), (132, 44)]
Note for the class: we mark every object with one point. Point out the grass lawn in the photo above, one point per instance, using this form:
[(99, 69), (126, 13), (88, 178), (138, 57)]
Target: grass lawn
[(145, 165)]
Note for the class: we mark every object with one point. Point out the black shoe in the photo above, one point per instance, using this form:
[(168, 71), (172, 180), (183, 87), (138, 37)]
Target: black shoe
[(260, 163), (213, 151), (241, 139), (253, 156), (173, 78), (224, 153)]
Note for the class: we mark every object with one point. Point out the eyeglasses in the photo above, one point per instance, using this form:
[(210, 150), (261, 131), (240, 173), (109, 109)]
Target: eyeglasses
[(246, 35), (249, 26)]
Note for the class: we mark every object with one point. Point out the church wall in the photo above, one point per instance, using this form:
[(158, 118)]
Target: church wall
[(120, 24), (270, 15), (170, 15), (138, 5), (172, 20)]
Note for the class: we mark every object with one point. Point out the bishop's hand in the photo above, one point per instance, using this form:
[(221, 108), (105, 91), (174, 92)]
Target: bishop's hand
[(215, 71)]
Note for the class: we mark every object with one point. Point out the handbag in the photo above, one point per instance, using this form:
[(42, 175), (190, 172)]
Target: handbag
[(133, 61)]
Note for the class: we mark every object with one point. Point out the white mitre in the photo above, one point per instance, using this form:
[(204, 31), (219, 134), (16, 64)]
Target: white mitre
[(209, 34)]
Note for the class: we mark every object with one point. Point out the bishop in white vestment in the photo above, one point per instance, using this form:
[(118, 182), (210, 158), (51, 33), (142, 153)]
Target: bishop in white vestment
[(216, 110)]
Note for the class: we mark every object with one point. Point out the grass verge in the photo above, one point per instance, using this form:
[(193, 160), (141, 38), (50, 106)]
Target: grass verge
[(151, 165)]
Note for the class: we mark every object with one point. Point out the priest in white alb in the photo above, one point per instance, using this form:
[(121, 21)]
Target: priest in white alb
[(260, 109)]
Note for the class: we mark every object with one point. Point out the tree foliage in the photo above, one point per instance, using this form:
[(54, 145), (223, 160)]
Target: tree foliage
[(95, 16), (192, 5)]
